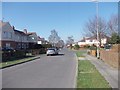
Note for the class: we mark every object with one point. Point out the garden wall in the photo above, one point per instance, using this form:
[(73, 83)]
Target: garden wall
[(111, 56)]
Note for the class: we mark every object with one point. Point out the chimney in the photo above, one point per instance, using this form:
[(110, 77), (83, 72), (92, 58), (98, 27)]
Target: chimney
[(25, 31), (13, 27), (84, 38)]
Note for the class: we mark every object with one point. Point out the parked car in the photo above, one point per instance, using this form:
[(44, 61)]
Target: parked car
[(7, 49), (52, 51), (107, 46)]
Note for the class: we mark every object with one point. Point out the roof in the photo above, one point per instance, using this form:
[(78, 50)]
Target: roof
[(40, 39), (3, 23), (93, 37), (17, 31), (30, 33), (83, 40)]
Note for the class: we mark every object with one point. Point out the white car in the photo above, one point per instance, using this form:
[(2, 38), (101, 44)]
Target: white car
[(52, 51)]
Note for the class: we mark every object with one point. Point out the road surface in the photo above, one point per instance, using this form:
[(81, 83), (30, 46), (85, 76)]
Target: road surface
[(47, 72)]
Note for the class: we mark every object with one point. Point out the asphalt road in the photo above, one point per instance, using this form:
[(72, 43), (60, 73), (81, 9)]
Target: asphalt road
[(47, 72)]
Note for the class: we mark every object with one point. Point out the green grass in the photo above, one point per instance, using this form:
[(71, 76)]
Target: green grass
[(4, 64), (80, 53), (89, 77)]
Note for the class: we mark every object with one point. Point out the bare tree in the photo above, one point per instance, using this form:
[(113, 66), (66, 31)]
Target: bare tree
[(91, 27), (70, 40), (60, 43), (113, 24), (54, 38)]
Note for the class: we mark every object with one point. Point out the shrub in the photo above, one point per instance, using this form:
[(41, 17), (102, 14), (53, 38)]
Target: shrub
[(87, 46), (76, 47), (93, 48), (47, 46), (13, 55), (115, 39)]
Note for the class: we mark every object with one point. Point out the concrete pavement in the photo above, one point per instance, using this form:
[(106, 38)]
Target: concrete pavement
[(47, 72), (109, 73)]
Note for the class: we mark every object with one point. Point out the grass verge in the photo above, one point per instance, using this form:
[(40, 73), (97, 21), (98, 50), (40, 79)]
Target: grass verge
[(80, 53), (15, 62), (88, 76)]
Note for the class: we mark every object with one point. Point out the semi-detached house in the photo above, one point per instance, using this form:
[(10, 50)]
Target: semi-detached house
[(6, 35), (12, 38), (21, 40)]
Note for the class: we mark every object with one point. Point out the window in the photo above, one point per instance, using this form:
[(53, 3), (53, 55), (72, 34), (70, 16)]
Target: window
[(5, 34), (19, 45), (10, 35), (33, 38), (22, 45), (18, 37), (7, 45), (90, 40)]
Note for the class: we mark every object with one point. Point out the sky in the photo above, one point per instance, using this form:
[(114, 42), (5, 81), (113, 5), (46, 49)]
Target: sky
[(67, 18)]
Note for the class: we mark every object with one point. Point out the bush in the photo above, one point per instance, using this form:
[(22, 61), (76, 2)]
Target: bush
[(42, 51), (13, 55), (93, 48), (35, 46), (76, 47), (87, 46), (47, 46), (115, 39)]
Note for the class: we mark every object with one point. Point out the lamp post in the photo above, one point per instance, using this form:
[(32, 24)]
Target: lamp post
[(97, 26)]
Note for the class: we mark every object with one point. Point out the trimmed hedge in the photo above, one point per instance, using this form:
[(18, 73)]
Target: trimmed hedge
[(19, 54), (12, 55)]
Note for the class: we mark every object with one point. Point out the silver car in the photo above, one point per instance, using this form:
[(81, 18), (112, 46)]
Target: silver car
[(52, 51)]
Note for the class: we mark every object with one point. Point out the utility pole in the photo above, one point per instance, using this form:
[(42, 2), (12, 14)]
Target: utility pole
[(97, 26)]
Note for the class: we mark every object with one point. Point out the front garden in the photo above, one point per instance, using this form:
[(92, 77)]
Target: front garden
[(11, 57)]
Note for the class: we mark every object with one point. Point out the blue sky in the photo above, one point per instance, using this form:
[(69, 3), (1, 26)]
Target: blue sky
[(67, 18)]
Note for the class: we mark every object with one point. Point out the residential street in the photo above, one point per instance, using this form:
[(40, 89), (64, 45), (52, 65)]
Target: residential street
[(47, 72)]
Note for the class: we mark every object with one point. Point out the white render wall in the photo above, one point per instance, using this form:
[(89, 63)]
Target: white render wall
[(39, 42), (94, 41)]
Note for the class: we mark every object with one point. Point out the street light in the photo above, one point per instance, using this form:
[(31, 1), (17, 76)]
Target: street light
[(97, 28)]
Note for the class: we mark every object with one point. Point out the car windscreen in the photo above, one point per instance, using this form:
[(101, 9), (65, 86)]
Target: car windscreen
[(51, 49)]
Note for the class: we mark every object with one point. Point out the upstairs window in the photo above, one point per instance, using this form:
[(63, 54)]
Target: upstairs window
[(5, 34), (9, 35)]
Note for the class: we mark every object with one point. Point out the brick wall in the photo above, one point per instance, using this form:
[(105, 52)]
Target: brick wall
[(112, 56), (12, 43)]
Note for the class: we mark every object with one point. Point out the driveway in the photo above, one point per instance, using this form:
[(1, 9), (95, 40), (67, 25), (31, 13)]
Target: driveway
[(47, 72)]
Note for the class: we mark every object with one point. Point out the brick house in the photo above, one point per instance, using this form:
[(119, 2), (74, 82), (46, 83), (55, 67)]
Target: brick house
[(32, 38), (21, 39), (11, 38), (6, 35)]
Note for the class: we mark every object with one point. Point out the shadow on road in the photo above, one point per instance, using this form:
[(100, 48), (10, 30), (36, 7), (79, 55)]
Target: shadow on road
[(57, 55), (60, 54)]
